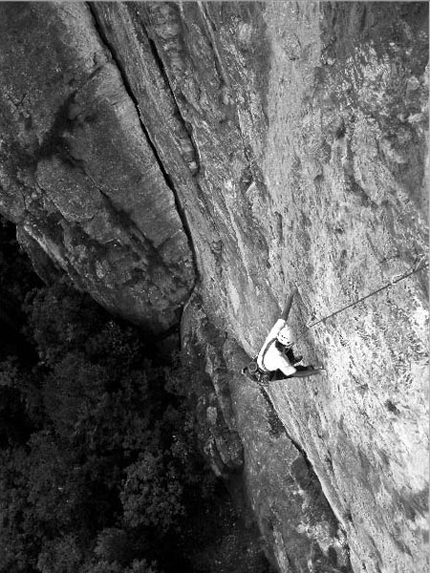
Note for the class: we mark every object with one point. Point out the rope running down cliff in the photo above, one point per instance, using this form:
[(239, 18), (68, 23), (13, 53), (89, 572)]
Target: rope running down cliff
[(419, 266)]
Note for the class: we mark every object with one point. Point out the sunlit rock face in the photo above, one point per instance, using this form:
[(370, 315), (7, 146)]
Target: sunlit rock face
[(235, 150)]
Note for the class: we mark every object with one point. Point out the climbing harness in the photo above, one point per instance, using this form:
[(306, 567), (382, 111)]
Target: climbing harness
[(421, 264), (253, 372)]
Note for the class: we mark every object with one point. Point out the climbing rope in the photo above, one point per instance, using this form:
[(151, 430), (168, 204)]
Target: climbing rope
[(421, 264)]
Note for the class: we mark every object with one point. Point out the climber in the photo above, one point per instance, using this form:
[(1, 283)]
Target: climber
[(276, 359)]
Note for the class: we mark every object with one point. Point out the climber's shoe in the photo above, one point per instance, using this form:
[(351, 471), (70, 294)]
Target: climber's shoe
[(319, 368)]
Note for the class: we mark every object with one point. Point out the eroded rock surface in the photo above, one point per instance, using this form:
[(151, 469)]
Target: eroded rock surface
[(251, 146), (78, 173)]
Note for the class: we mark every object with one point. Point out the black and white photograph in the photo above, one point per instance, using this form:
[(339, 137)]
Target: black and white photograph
[(214, 286)]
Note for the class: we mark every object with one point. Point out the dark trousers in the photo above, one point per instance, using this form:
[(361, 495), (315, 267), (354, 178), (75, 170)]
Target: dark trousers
[(304, 371), (301, 372)]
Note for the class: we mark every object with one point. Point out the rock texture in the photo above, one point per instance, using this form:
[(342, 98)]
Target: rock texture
[(78, 172), (232, 150), (301, 532)]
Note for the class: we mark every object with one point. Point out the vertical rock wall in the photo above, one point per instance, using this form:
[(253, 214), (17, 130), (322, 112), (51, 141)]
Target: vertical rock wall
[(78, 174), (358, 214), (238, 149)]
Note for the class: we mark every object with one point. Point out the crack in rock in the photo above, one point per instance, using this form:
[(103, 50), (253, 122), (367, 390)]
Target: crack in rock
[(123, 74)]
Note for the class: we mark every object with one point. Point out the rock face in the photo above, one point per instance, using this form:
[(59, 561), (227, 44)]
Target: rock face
[(78, 172), (232, 150)]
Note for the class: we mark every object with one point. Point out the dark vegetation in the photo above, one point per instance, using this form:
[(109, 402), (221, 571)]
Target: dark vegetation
[(100, 470)]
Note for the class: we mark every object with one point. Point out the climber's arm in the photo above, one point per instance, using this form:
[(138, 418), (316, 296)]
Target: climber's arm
[(280, 323), (286, 368), (286, 311)]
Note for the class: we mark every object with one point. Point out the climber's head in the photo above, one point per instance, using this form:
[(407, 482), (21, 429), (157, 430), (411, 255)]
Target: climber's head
[(286, 337)]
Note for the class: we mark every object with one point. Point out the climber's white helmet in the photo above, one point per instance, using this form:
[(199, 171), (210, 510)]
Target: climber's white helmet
[(286, 337)]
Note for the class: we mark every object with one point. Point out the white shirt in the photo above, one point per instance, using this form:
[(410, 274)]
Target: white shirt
[(273, 358)]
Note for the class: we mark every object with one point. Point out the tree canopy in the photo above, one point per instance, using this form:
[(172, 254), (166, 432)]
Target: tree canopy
[(100, 466)]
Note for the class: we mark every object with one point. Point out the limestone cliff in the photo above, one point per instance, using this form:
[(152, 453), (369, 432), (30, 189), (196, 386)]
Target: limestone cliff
[(216, 154)]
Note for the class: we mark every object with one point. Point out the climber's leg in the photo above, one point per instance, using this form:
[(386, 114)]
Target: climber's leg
[(277, 375), (304, 371)]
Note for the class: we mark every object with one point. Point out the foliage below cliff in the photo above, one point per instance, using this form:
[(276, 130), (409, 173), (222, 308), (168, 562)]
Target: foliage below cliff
[(100, 466)]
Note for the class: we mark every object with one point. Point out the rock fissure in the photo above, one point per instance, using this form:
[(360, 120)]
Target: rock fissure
[(179, 208), (225, 81), (187, 126), (311, 172)]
